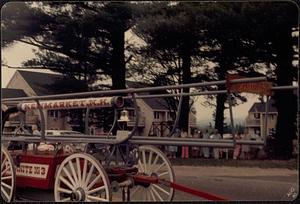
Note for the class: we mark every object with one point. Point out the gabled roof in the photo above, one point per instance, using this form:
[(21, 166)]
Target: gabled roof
[(157, 103), (12, 93), (41, 83), (260, 107), (154, 103), (51, 84)]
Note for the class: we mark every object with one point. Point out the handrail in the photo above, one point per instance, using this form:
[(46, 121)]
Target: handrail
[(133, 95), (134, 140)]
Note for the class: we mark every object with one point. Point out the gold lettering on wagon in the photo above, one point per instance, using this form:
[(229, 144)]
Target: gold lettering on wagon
[(72, 103)]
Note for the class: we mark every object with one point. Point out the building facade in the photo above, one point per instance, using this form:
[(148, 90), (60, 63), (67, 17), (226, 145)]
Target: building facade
[(39, 84), (155, 118), (255, 121)]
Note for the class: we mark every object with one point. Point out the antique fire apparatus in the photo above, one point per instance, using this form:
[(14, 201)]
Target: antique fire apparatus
[(124, 162)]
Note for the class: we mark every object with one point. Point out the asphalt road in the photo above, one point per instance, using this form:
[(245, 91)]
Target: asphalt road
[(238, 184)]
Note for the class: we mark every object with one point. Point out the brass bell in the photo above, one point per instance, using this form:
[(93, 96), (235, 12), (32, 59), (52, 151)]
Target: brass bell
[(124, 116)]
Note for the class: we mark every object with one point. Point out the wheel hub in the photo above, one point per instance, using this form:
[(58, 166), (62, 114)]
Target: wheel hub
[(78, 195)]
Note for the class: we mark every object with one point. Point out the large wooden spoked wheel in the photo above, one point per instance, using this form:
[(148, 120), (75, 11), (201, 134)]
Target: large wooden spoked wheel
[(8, 176), (153, 162), (81, 177)]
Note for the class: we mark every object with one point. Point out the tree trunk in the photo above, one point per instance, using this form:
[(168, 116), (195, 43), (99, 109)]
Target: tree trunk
[(118, 72), (221, 99), (118, 61), (186, 78), (219, 120), (285, 101)]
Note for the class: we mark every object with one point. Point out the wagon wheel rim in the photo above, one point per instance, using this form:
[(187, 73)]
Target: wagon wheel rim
[(153, 162), (81, 177), (8, 176)]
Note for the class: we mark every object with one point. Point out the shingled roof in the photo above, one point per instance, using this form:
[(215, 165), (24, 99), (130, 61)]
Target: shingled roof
[(51, 84), (260, 107), (154, 103), (41, 82), (12, 93)]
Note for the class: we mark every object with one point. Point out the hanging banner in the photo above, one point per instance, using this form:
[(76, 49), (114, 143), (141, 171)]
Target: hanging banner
[(260, 87), (102, 102)]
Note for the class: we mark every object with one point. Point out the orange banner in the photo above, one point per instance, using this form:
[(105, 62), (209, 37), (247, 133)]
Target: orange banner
[(261, 87)]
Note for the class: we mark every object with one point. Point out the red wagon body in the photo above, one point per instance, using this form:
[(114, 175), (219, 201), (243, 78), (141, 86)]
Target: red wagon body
[(37, 169)]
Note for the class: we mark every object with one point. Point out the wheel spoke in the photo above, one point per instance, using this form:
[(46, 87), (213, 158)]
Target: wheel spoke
[(156, 193), (158, 168), (84, 170), (78, 169), (6, 185), (96, 189), (152, 195), (143, 194), (67, 183), (5, 194), (149, 163), (60, 189), (144, 160), (89, 175), (69, 176), (94, 198), (164, 173), (6, 177), (93, 182), (73, 171), (3, 172), (135, 191), (65, 199), (155, 160), (141, 166), (161, 189), (147, 195)]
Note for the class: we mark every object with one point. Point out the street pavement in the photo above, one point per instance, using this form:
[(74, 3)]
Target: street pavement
[(240, 184), (233, 183)]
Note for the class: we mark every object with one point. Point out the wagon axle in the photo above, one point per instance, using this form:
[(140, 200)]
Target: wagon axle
[(78, 195)]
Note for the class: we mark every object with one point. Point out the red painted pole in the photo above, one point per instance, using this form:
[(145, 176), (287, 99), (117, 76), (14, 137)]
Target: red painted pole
[(195, 192)]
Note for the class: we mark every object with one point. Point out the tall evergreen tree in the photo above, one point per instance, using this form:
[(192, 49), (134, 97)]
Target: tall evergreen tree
[(84, 39), (274, 24), (176, 31)]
